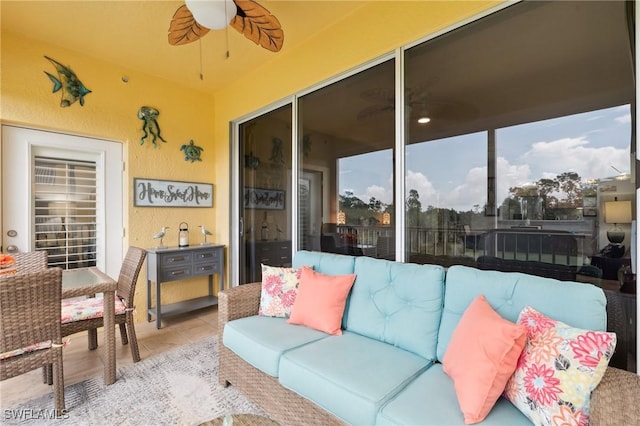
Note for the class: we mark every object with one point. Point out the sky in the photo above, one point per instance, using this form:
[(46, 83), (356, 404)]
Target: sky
[(452, 172)]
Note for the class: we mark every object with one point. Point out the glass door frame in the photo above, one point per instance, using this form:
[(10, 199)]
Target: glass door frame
[(237, 258)]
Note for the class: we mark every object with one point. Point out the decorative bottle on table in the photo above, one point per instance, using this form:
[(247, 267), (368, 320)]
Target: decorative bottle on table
[(183, 235)]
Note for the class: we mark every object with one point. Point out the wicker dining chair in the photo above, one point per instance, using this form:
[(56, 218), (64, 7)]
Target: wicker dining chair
[(30, 326), (125, 292), (30, 261)]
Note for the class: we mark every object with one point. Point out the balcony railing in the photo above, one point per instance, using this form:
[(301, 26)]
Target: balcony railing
[(551, 246)]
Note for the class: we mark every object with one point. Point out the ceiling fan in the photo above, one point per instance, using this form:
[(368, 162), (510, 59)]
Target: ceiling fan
[(420, 105), (195, 18)]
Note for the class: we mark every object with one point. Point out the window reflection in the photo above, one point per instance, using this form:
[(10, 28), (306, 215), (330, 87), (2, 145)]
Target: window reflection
[(346, 142), (559, 173), (446, 197)]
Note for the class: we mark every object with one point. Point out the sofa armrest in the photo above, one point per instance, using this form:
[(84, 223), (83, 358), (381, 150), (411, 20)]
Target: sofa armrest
[(616, 399), (238, 302)]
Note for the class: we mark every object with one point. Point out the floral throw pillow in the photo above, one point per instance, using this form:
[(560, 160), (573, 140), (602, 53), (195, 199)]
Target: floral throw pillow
[(557, 370), (279, 291)]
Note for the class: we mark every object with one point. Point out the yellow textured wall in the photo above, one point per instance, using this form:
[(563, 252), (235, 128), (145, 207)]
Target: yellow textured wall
[(110, 112)]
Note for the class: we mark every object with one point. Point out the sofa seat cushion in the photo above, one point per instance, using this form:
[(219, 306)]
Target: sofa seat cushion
[(351, 376), (431, 400), (261, 340), (397, 303)]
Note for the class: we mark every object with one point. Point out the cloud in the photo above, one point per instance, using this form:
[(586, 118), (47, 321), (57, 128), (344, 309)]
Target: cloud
[(378, 192), (575, 154), (422, 184), (473, 191), (624, 119)]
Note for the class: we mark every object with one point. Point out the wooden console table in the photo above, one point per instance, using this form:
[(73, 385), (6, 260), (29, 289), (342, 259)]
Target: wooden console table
[(179, 263)]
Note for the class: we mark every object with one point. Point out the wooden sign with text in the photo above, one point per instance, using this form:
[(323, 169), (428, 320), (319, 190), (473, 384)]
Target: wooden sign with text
[(166, 193)]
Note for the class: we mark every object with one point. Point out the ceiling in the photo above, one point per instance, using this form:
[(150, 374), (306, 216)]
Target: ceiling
[(133, 35), (532, 61)]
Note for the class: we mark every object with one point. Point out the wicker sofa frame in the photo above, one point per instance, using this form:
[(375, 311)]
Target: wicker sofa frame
[(613, 402)]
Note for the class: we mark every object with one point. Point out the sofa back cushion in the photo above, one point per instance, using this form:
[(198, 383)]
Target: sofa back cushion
[(397, 303), (327, 263), (577, 304)]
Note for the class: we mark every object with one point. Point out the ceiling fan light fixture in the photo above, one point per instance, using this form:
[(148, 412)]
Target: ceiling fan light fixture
[(212, 14), (424, 120)]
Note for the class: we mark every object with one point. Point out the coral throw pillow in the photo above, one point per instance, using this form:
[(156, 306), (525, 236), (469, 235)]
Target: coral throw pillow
[(321, 300), (481, 357), (279, 290), (557, 370)]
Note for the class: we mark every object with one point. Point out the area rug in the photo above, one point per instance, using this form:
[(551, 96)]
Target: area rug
[(179, 387)]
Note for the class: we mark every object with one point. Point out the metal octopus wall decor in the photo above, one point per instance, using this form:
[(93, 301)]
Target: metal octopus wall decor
[(150, 125)]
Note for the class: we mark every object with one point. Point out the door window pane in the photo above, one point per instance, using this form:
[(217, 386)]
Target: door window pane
[(65, 211)]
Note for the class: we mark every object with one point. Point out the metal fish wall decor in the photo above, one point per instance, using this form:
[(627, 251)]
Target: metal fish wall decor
[(67, 82)]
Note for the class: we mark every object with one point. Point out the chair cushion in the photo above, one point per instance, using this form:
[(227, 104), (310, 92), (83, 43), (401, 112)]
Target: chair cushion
[(84, 308), (27, 349)]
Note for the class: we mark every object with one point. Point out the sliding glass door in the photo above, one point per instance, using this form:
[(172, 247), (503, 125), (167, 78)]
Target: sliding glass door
[(265, 217)]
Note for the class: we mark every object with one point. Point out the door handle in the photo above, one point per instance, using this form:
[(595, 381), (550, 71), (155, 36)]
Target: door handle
[(241, 226)]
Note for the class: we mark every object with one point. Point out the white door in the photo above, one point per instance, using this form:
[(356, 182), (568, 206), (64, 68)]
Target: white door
[(20, 148)]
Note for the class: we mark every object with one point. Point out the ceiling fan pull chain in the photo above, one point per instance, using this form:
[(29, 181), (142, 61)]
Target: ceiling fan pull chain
[(227, 33), (200, 46)]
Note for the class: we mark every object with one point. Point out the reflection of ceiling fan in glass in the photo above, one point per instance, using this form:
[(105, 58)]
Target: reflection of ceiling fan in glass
[(194, 19), (421, 107)]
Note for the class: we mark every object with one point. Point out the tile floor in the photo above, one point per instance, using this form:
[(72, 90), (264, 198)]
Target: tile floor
[(81, 364)]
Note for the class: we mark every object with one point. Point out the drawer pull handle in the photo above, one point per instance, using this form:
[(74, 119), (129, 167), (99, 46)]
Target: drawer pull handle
[(204, 255), (177, 272), (205, 268), (176, 259)]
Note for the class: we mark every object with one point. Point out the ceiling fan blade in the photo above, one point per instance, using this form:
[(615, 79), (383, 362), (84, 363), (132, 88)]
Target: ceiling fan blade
[(258, 25), (373, 111), (184, 28)]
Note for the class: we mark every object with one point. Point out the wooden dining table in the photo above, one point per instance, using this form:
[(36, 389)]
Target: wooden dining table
[(88, 282)]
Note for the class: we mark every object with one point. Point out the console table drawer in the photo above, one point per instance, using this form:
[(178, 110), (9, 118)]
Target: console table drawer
[(176, 273), (206, 256), (176, 259), (206, 268)]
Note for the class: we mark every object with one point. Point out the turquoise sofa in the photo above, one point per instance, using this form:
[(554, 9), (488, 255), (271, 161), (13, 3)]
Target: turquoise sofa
[(386, 367)]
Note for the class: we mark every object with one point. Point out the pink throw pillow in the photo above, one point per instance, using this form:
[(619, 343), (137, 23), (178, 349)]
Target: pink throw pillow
[(481, 357), (558, 369), (321, 300)]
